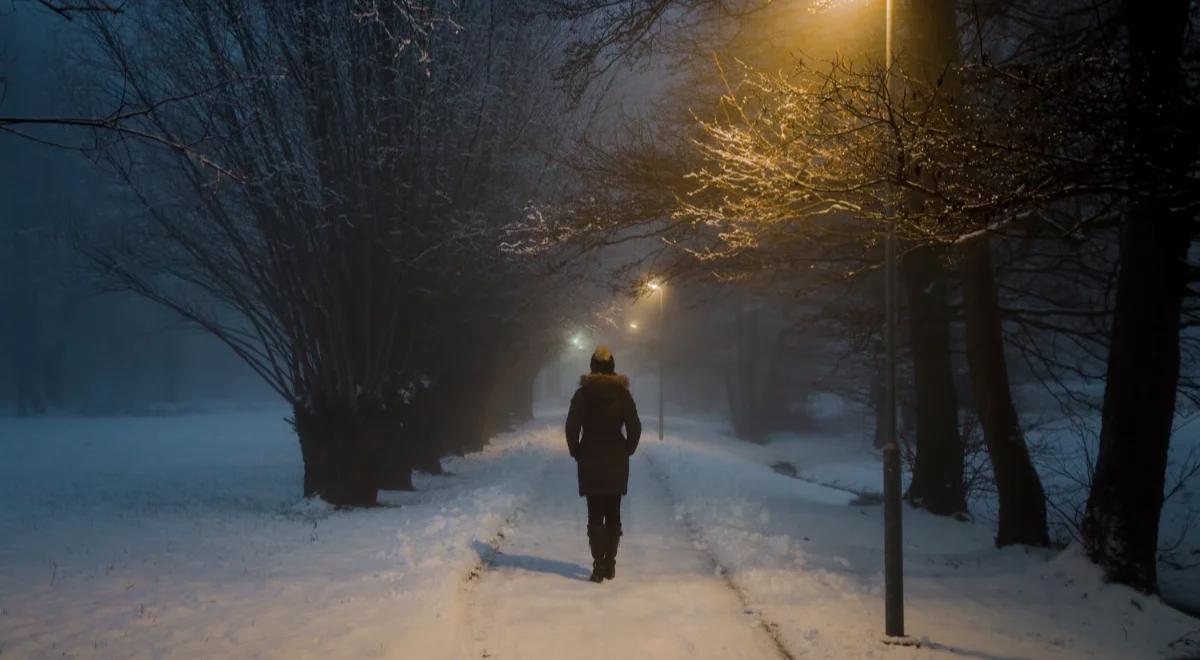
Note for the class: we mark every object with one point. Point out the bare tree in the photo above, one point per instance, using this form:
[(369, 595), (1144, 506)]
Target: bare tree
[(380, 146), (1121, 521)]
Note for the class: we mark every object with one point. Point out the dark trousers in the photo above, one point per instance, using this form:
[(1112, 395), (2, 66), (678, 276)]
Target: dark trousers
[(604, 509)]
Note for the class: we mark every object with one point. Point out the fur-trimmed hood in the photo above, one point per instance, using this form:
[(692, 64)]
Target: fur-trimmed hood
[(619, 379)]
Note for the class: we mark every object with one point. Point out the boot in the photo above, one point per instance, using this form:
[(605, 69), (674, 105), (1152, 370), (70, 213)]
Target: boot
[(597, 541), (612, 538)]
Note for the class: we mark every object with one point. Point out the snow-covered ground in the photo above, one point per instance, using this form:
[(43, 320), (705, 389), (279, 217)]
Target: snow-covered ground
[(810, 562), (185, 537)]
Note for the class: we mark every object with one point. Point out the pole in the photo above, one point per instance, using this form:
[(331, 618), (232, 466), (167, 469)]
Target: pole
[(662, 353), (893, 561)]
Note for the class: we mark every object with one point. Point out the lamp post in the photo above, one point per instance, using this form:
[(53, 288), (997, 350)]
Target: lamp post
[(893, 560), (661, 291)]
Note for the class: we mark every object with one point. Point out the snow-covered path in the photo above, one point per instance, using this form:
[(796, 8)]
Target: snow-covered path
[(534, 599)]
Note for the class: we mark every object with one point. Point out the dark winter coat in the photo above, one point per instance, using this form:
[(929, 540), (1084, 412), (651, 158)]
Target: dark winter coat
[(600, 407)]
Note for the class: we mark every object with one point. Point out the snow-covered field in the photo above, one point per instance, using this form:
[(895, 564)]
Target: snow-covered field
[(185, 537)]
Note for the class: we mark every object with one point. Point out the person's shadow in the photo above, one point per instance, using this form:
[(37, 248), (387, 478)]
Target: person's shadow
[(530, 563)]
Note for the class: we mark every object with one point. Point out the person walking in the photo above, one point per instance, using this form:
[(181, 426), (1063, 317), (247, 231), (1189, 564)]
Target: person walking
[(600, 407)]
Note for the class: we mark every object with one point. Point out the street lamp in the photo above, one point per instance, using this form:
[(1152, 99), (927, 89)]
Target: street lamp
[(893, 565), (660, 289), (893, 561)]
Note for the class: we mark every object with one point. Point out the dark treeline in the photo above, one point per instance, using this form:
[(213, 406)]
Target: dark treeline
[(336, 180), (377, 151)]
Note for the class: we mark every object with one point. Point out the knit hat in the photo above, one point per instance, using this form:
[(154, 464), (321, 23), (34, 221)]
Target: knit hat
[(602, 361)]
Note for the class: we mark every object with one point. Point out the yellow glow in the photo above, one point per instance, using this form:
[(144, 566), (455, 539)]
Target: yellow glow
[(633, 325), (821, 6), (654, 286)]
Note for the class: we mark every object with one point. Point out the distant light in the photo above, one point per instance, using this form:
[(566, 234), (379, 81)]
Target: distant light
[(633, 325), (654, 286)]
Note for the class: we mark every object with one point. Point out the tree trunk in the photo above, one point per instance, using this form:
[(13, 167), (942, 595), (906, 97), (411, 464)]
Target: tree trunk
[(514, 391), (1120, 526), (401, 443), (937, 480), (429, 462), (496, 399), (746, 400), (420, 437), (463, 417), (456, 416), (1022, 500), (341, 458), (397, 472)]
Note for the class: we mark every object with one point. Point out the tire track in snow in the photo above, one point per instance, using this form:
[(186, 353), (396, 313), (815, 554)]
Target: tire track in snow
[(693, 530)]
